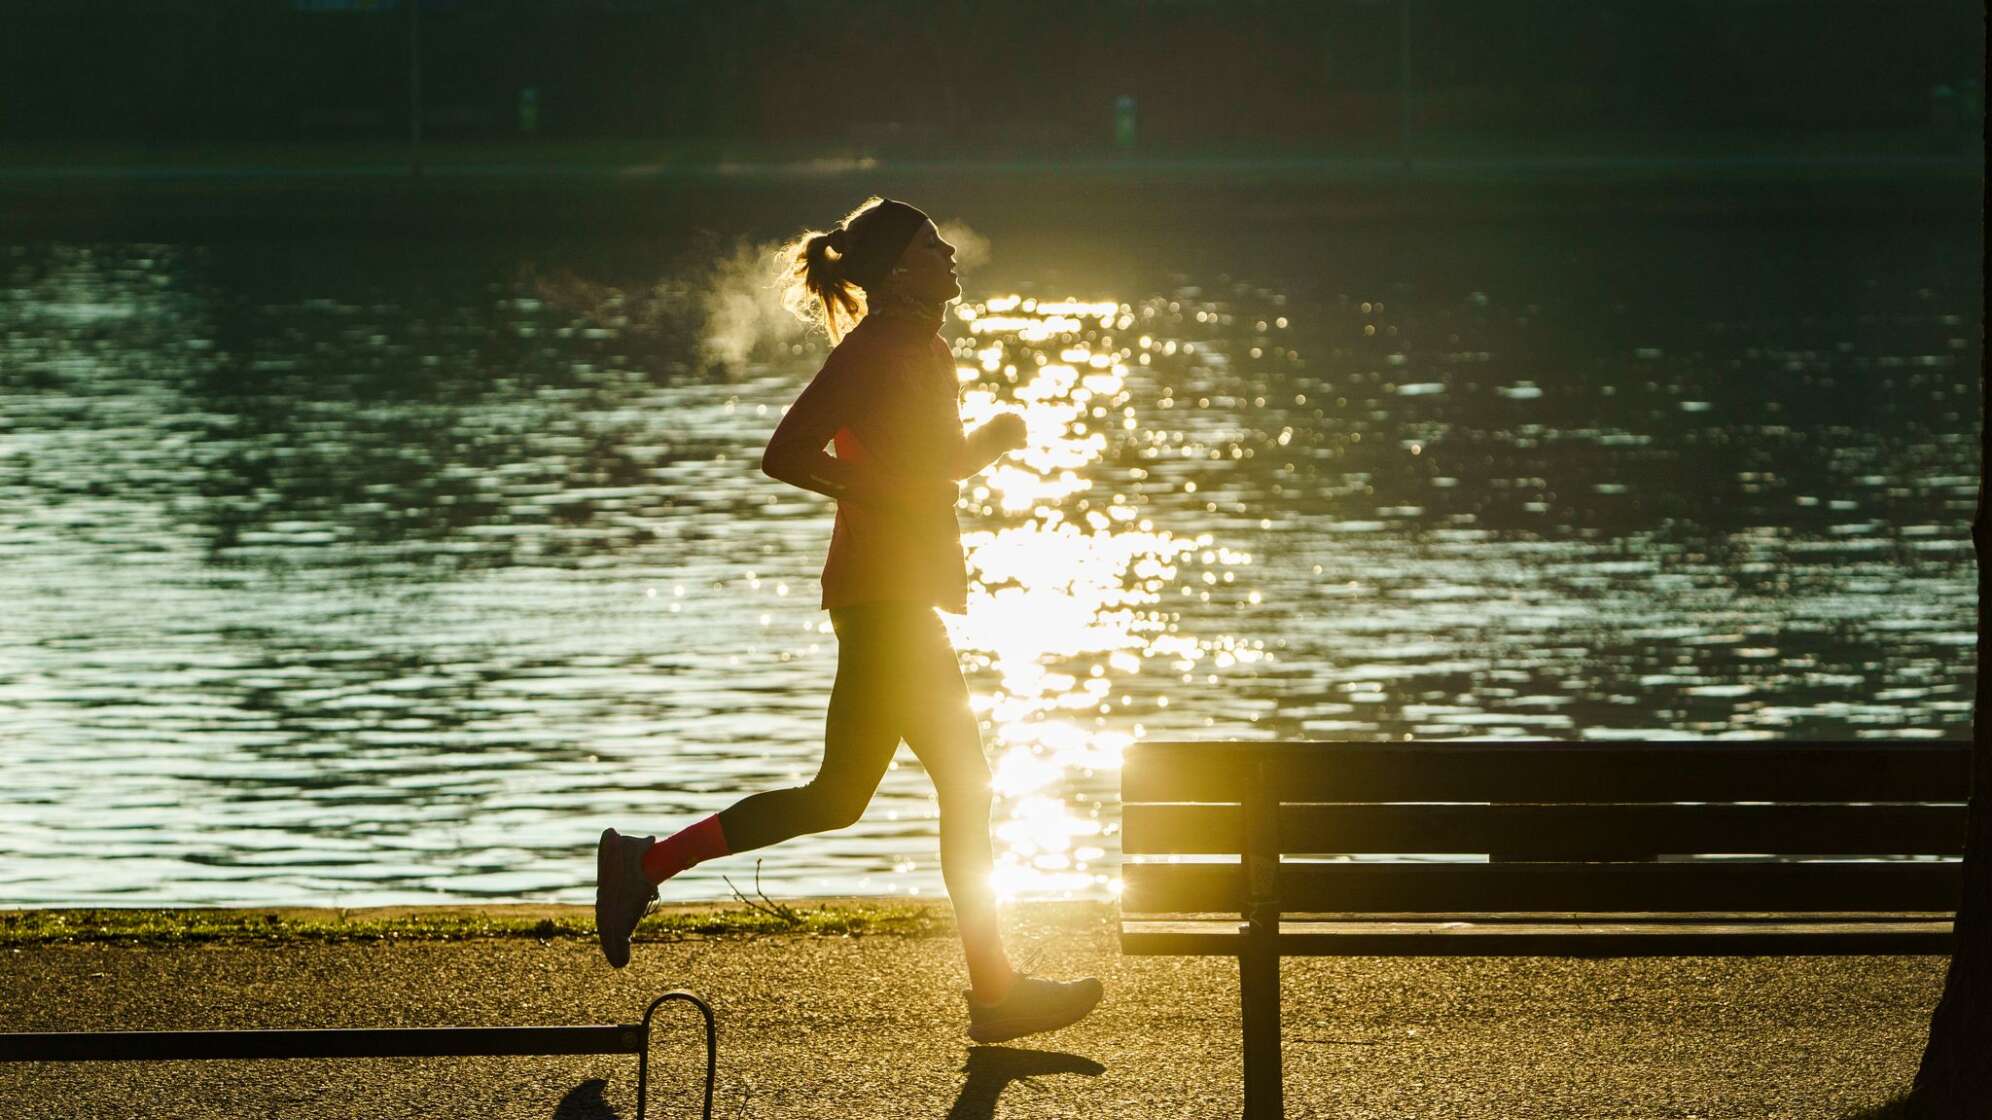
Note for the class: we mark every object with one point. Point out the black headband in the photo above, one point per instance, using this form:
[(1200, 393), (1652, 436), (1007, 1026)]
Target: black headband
[(882, 234)]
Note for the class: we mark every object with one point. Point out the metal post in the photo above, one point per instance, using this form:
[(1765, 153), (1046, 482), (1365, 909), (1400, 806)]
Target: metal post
[(1259, 958), (414, 87), (1404, 81), (712, 1049)]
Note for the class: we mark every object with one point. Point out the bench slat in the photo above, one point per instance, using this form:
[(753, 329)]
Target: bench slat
[(1467, 935), (1455, 887), (1557, 831), (1553, 772)]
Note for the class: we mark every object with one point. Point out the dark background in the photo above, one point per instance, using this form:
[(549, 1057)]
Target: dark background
[(1023, 75)]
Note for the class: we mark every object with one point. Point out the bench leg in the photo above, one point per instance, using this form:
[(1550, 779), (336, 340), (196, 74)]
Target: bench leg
[(1259, 997)]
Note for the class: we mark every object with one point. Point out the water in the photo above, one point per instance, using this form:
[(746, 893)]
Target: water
[(352, 574)]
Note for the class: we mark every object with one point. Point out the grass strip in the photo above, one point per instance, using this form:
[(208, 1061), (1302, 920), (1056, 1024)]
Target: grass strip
[(23, 928)]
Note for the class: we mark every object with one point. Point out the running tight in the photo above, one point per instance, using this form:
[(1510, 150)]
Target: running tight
[(897, 678)]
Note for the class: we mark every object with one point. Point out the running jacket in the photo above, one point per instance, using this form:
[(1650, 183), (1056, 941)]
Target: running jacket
[(888, 397)]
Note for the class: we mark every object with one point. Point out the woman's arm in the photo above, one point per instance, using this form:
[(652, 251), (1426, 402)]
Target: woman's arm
[(795, 452), (990, 442)]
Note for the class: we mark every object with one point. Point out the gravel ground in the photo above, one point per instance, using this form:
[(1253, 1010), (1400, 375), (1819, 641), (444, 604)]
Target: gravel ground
[(872, 1027)]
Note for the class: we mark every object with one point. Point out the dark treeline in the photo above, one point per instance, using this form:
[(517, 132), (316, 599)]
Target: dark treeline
[(1019, 73)]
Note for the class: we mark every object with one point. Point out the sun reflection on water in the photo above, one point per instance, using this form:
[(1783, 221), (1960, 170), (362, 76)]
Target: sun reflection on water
[(1068, 583)]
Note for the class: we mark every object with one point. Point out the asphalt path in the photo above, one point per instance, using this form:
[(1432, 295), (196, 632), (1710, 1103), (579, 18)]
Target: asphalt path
[(873, 1027)]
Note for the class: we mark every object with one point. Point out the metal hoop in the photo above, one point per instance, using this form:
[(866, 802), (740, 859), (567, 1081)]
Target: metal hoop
[(712, 1049)]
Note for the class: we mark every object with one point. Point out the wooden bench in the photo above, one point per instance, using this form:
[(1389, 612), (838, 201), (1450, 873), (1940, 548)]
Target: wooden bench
[(368, 1042), (1532, 849)]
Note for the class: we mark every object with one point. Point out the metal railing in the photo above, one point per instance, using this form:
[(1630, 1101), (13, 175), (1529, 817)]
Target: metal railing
[(368, 1042)]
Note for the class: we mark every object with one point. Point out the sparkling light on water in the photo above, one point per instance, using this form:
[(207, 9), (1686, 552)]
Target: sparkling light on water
[(1067, 598), (390, 582)]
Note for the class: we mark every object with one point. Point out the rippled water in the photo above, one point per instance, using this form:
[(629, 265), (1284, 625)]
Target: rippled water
[(357, 575)]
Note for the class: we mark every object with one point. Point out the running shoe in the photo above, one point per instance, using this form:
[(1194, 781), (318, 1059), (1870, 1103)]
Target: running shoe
[(623, 893), (1033, 1006)]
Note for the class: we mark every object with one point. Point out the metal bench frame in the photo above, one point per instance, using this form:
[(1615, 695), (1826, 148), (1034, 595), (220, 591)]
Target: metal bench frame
[(369, 1042), (1548, 811)]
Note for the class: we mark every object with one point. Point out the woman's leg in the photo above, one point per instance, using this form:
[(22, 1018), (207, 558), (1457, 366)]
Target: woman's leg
[(859, 736), (862, 733), (855, 756), (941, 729)]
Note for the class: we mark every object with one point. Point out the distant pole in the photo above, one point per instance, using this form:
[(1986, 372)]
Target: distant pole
[(1404, 81), (414, 87)]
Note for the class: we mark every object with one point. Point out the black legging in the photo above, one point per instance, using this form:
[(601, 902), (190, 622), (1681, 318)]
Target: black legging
[(897, 678)]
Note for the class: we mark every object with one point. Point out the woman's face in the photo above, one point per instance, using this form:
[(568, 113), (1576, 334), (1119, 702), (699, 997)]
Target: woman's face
[(926, 267)]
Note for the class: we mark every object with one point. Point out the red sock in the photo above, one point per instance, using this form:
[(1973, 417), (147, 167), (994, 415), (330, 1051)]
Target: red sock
[(695, 844)]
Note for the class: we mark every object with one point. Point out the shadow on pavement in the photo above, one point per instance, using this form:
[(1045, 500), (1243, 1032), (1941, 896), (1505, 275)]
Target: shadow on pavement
[(990, 1068), (584, 1102), (1897, 1108)]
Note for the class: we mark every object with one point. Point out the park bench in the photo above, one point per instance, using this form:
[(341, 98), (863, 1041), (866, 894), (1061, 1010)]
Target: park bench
[(1532, 849), (368, 1042)]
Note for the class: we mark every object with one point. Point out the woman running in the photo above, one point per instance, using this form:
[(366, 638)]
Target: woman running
[(888, 398)]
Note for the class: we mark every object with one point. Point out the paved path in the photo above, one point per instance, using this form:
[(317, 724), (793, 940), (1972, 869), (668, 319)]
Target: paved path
[(871, 1027)]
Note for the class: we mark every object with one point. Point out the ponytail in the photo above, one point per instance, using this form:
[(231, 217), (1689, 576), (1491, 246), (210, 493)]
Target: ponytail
[(814, 285)]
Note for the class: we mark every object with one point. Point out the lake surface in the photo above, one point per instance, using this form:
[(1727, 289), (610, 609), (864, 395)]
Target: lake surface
[(343, 573)]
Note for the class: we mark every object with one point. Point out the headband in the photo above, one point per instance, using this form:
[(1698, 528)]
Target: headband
[(882, 234)]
